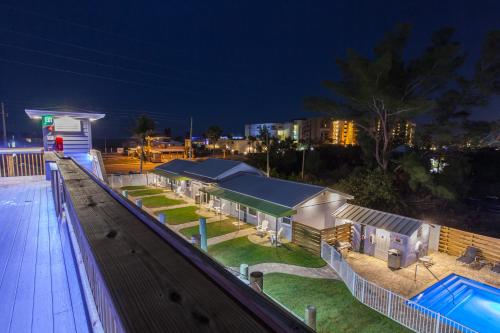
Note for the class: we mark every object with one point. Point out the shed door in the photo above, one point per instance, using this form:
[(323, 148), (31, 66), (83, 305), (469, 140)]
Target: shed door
[(382, 240)]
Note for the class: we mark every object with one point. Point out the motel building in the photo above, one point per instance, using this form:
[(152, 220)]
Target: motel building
[(239, 190)]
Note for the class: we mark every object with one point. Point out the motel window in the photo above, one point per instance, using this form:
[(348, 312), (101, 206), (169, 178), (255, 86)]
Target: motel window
[(252, 211), (188, 183), (286, 220)]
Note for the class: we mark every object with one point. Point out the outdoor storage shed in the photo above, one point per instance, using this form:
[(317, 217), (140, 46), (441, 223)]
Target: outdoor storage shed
[(376, 232)]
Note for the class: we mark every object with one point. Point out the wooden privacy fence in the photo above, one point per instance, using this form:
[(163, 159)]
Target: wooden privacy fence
[(21, 162), (454, 242), (310, 238)]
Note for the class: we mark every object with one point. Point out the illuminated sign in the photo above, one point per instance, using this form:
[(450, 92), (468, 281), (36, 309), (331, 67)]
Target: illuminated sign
[(67, 124), (47, 120)]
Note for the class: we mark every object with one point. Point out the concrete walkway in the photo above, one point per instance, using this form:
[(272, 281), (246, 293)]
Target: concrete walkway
[(325, 272)]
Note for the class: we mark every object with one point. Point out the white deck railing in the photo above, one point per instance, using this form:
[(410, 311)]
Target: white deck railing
[(388, 303)]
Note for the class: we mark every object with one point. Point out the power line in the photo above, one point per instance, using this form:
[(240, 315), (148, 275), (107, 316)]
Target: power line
[(89, 49), (95, 76), (91, 62), (80, 25)]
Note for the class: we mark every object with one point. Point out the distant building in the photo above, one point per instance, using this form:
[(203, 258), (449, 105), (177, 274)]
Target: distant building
[(324, 130), (274, 129)]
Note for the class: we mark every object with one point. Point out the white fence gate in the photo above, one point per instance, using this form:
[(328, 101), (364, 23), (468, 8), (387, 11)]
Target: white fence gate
[(392, 305)]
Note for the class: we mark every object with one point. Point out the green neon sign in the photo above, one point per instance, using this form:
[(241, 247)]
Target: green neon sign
[(47, 120)]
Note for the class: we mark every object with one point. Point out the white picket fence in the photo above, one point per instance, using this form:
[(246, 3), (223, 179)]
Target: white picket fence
[(388, 303)]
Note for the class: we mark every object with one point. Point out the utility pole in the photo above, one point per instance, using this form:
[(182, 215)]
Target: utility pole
[(303, 162), (267, 150), (4, 126), (191, 139)]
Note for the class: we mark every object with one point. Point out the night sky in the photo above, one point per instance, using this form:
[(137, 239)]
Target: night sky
[(226, 63)]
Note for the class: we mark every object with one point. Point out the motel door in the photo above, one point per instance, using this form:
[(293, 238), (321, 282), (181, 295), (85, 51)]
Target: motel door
[(382, 241)]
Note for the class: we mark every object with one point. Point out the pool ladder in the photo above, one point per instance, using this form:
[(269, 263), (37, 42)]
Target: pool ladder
[(445, 287)]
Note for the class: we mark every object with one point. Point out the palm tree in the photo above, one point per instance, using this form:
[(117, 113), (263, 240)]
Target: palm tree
[(213, 134), (144, 126)]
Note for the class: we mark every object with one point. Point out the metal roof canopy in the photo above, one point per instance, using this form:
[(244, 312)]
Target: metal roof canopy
[(279, 191), (212, 168), (167, 174), (382, 220), (33, 114), (258, 204)]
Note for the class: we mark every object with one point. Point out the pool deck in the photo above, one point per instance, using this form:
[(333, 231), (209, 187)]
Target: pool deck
[(39, 284), (402, 281)]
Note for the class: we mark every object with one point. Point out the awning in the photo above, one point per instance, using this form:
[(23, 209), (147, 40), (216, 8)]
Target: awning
[(255, 203), (167, 174), (382, 220)]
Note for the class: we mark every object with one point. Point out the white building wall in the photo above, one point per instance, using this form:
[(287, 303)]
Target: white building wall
[(318, 211)]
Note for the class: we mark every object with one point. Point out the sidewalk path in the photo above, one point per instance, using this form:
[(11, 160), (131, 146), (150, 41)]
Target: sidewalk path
[(325, 272)]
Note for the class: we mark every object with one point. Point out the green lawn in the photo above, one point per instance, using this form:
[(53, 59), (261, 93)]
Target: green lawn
[(337, 310), (160, 201), (241, 251), (180, 215), (139, 193), (134, 187), (216, 228)]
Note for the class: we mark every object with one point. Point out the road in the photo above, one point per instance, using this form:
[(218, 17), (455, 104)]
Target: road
[(115, 163)]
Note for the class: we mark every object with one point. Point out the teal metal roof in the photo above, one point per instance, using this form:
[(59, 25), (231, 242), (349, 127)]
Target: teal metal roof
[(258, 204)]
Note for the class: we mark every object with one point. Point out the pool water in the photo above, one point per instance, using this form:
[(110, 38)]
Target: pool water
[(473, 304)]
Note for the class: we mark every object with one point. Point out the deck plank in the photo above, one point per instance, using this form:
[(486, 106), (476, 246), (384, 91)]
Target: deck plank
[(61, 298), (43, 319), (14, 252), (39, 283), (22, 314)]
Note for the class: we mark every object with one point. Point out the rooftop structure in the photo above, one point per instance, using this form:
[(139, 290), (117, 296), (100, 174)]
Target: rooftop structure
[(70, 131)]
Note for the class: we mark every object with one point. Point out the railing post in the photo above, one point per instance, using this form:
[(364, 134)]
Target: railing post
[(363, 291), (125, 193), (244, 271), (389, 301), (203, 234), (138, 203), (437, 328)]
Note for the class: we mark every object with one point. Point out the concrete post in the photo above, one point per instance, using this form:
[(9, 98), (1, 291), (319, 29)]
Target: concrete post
[(310, 317), (203, 234), (244, 271), (138, 203), (125, 194), (257, 281), (163, 218), (195, 240)]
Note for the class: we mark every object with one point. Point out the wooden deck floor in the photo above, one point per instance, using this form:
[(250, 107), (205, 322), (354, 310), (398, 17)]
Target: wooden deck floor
[(39, 285)]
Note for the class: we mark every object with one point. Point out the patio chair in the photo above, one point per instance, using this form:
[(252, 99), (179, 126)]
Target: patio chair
[(496, 268), (276, 238), (262, 228), (469, 256)]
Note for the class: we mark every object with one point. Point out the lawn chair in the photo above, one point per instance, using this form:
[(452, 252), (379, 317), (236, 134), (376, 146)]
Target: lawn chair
[(469, 256), (262, 228), (496, 268), (276, 238)]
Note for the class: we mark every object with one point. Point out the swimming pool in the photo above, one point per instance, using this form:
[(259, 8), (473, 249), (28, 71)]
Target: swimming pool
[(466, 301)]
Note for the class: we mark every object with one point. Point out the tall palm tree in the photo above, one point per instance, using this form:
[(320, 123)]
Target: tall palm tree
[(144, 126)]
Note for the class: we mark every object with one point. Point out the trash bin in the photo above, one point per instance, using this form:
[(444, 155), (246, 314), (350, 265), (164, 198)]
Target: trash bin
[(394, 259)]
